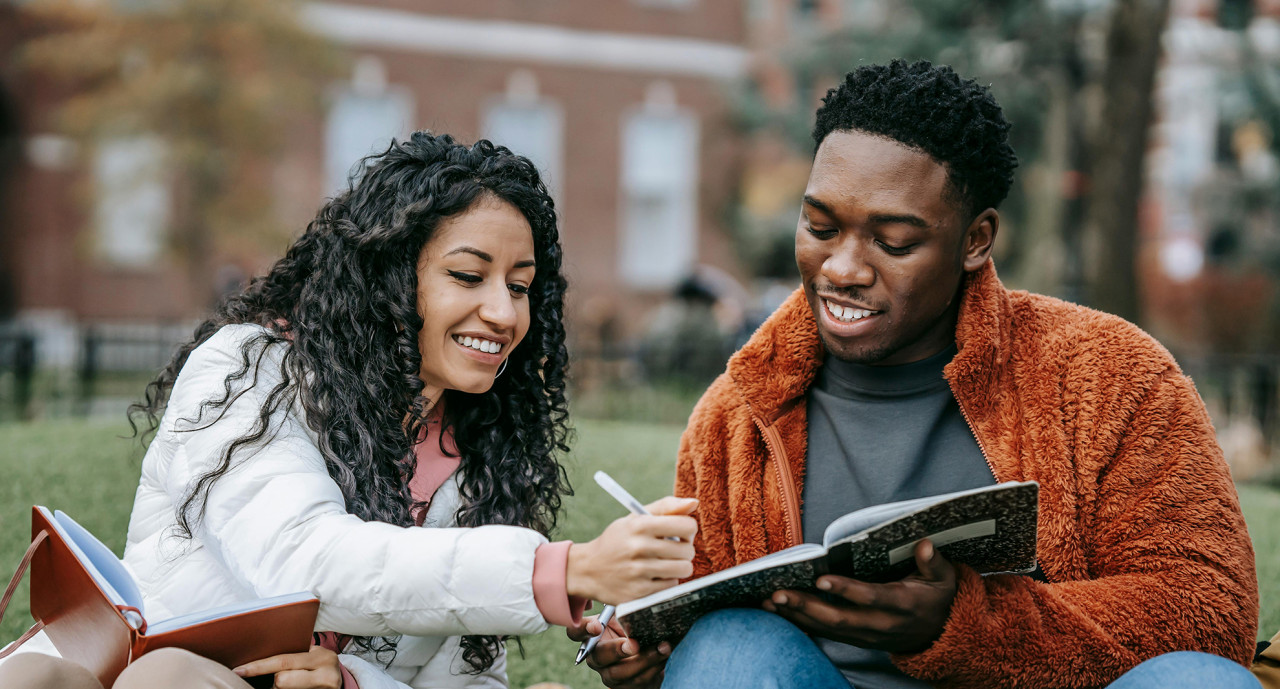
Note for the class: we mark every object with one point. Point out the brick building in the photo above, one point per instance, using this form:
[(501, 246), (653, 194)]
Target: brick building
[(622, 104)]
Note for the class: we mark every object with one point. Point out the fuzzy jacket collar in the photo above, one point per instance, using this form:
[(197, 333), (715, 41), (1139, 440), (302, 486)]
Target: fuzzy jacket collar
[(774, 370)]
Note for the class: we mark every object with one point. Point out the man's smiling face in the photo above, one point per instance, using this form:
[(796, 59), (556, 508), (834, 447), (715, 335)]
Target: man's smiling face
[(882, 244)]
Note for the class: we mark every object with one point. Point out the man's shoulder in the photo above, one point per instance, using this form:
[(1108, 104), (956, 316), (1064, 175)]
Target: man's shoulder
[(718, 403), (1044, 326)]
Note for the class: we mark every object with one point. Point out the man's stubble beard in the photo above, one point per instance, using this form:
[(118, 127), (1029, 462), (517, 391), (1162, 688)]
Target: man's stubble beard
[(863, 356)]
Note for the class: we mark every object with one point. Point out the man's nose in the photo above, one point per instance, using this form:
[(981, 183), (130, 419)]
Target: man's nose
[(847, 266)]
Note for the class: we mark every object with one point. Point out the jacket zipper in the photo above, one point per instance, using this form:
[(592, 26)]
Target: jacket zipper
[(973, 431), (791, 515)]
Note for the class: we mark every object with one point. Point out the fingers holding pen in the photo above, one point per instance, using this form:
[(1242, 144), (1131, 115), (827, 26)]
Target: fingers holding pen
[(680, 527), (634, 556), (672, 505)]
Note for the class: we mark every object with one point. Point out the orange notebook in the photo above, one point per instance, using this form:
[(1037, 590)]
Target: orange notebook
[(92, 609)]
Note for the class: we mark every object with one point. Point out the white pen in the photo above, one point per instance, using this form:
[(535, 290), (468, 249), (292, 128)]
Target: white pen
[(628, 501)]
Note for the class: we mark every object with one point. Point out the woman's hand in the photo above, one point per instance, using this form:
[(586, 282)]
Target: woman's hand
[(635, 555), (315, 669)]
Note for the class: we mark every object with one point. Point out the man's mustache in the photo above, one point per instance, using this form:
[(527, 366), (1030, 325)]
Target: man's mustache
[(853, 294)]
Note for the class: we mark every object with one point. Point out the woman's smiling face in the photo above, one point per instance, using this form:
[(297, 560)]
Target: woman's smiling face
[(473, 281)]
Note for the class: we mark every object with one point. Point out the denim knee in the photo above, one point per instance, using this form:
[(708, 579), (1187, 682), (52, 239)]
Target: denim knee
[(739, 628), (1187, 669), (742, 647)]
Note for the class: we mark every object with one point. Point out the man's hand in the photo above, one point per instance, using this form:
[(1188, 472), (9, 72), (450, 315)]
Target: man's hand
[(315, 669), (619, 660), (900, 617)]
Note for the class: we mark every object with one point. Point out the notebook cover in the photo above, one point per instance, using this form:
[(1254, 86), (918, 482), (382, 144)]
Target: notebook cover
[(242, 638), (85, 626), (80, 620)]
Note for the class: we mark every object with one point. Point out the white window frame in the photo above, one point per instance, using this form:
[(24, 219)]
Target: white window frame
[(134, 201), (551, 165), (677, 243), (399, 99)]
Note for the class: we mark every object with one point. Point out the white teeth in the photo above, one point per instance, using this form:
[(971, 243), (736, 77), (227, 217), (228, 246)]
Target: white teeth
[(486, 346), (845, 313)]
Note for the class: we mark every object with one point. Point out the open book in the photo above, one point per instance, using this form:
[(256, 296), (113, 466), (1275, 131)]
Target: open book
[(93, 611), (990, 529)]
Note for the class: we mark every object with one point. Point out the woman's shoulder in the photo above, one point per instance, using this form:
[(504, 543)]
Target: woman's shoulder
[(225, 359), (231, 337), (229, 345)]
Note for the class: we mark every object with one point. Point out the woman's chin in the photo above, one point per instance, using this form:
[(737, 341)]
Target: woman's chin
[(477, 385)]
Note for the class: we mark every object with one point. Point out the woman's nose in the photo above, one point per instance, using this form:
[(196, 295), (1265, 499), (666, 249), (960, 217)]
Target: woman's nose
[(498, 308)]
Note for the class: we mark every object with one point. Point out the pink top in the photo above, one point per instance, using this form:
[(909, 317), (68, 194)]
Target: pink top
[(550, 561)]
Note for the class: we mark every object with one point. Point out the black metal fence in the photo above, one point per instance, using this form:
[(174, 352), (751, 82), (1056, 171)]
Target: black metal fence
[(17, 373), (114, 362), (111, 365)]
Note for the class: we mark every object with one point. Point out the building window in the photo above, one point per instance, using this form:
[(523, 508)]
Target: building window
[(659, 198), (362, 123), (534, 130), (133, 201)]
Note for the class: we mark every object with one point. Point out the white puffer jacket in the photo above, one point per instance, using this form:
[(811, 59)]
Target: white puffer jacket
[(276, 523)]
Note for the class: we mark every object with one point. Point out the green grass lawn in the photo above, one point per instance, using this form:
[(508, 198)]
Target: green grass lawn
[(89, 471)]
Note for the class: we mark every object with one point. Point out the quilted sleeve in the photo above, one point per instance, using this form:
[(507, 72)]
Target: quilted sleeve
[(278, 523)]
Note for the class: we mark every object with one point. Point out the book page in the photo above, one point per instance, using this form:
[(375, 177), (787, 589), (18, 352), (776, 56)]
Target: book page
[(799, 553), (107, 569), (227, 610), (671, 619)]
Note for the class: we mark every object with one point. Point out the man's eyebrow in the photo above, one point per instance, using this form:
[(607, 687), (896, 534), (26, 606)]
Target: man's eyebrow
[(900, 219), (876, 218), (811, 201), (487, 258)]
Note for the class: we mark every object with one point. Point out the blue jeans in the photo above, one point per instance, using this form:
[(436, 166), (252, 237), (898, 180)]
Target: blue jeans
[(757, 649)]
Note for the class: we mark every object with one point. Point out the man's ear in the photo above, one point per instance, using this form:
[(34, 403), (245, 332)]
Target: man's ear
[(980, 239)]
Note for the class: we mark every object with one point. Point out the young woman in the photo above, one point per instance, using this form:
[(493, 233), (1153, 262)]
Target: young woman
[(403, 366)]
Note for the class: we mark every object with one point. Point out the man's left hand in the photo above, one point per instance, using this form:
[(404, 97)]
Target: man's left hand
[(900, 617)]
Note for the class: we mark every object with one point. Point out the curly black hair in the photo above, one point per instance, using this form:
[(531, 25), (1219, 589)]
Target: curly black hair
[(956, 121), (342, 305)]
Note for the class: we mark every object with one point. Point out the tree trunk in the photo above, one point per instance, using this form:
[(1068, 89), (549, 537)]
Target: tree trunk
[(195, 243), (1119, 152)]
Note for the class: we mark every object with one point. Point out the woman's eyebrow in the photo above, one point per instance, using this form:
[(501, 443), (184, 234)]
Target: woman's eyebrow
[(487, 258), (483, 256)]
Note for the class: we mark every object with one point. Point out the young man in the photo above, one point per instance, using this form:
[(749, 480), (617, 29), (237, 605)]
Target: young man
[(904, 368)]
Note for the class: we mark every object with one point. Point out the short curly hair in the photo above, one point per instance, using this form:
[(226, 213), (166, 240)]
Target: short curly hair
[(956, 121)]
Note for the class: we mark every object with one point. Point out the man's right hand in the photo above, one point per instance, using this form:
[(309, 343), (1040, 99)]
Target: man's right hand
[(619, 660), (636, 555)]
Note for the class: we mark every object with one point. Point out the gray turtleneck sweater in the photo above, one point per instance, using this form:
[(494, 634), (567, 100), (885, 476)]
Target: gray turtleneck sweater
[(880, 434)]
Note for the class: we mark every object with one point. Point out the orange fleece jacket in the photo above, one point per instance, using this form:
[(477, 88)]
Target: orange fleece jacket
[(1140, 531)]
